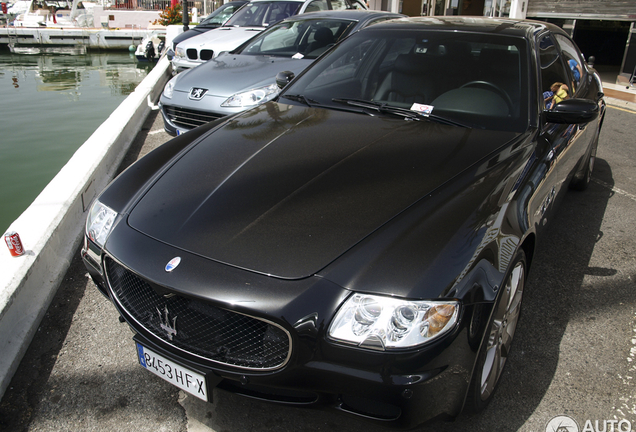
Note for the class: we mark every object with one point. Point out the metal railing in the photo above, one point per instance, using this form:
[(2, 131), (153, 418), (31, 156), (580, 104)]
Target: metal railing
[(203, 6)]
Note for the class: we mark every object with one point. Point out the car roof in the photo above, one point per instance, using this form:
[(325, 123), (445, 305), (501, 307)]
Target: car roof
[(513, 27)]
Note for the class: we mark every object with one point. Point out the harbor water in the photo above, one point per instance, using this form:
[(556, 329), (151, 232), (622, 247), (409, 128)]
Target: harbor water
[(50, 105)]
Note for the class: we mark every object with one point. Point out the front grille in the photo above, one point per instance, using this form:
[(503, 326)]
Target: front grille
[(192, 54), (198, 327), (206, 54), (188, 118)]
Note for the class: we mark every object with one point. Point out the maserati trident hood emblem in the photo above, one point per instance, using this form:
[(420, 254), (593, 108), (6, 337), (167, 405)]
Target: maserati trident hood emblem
[(172, 264)]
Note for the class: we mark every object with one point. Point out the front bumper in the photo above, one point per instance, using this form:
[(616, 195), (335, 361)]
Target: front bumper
[(181, 115), (180, 64), (398, 400), (399, 388)]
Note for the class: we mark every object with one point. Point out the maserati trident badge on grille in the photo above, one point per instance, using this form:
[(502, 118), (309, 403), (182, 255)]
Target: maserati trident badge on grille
[(171, 330), (172, 264), (197, 93)]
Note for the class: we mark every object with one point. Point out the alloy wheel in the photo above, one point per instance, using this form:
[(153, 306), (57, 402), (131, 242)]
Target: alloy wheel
[(502, 329)]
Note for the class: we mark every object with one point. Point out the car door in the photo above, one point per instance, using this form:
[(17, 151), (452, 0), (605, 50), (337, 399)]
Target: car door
[(560, 140), (580, 137)]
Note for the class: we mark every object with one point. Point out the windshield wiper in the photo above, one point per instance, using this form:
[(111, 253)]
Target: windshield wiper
[(301, 98), (383, 107)]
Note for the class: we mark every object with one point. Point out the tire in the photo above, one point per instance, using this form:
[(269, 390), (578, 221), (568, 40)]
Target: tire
[(498, 337)]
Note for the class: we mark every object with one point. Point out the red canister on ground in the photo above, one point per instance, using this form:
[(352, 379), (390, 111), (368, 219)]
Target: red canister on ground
[(14, 243)]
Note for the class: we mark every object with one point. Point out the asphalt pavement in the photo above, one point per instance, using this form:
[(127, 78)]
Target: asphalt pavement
[(574, 352)]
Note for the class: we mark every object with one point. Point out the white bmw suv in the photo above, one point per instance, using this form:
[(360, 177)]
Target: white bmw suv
[(250, 20)]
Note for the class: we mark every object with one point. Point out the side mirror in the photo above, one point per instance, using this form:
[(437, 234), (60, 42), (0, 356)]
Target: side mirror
[(170, 54), (283, 78), (573, 111)]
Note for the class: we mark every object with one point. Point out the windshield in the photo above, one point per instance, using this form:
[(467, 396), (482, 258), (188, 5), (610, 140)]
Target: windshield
[(471, 79), (299, 39), (262, 14), (219, 16)]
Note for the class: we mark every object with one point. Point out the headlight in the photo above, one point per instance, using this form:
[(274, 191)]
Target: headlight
[(180, 52), (168, 90), (252, 97), (99, 223), (386, 323)]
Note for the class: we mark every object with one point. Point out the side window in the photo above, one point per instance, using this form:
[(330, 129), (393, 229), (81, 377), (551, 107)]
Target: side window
[(356, 4), (573, 59), (338, 4), (347, 4), (279, 11), (555, 82), (317, 5)]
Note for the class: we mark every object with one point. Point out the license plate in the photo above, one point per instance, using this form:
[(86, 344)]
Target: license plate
[(184, 378)]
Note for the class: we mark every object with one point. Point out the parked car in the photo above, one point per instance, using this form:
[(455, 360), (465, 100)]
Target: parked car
[(214, 20), (232, 82), (253, 18), (363, 241)]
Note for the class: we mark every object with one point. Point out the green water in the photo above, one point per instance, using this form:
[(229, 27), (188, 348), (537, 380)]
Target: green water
[(50, 105)]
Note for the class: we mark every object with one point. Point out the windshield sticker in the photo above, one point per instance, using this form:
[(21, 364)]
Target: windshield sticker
[(422, 109), (298, 56)]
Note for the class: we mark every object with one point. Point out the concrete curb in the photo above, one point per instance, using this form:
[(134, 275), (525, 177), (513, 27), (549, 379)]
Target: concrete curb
[(619, 103), (51, 228), (621, 96)]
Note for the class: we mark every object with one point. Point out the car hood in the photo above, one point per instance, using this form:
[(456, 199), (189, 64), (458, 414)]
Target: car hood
[(222, 38), (229, 74), (194, 31), (284, 190)]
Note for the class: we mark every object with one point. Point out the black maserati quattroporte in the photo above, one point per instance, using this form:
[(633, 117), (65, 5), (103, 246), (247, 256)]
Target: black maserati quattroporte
[(361, 242)]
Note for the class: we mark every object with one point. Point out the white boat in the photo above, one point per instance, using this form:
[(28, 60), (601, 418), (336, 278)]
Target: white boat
[(68, 27), (55, 14), (151, 48)]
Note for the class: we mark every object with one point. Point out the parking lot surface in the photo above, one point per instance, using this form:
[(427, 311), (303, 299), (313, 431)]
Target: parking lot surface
[(574, 352)]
